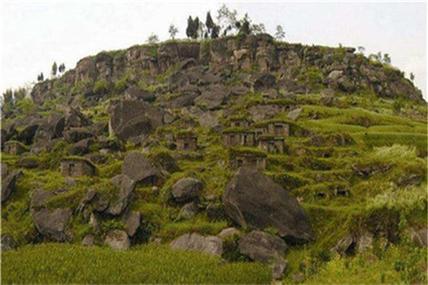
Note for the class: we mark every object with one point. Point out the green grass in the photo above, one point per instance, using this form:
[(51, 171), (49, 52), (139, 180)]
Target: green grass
[(67, 264)]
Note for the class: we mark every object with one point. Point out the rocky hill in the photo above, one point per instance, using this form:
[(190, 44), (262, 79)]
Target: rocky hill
[(309, 159)]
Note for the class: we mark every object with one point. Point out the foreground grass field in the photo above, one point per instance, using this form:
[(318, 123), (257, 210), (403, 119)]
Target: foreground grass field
[(71, 264)]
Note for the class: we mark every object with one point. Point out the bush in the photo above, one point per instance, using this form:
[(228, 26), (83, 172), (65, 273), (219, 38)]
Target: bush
[(101, 86)]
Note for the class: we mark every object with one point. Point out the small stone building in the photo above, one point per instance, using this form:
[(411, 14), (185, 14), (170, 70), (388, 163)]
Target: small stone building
[(77, 166), (272, 144), (279, 129), (239, 137), (14, 147), (276, 128), (247, 158), (186, 141)]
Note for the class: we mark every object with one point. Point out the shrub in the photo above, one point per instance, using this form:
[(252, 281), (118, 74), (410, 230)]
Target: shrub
[(101, 86)]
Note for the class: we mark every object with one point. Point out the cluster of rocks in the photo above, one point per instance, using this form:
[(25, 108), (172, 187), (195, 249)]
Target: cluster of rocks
[(338, 68), (252, 201)]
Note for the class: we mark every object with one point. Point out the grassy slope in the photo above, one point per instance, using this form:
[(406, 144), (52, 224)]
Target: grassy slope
[(56, 263), (381, 137)]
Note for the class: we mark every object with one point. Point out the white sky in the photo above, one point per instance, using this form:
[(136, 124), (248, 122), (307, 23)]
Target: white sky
[(36, 33)]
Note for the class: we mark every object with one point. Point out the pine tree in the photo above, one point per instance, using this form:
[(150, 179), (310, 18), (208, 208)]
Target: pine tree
[(54, 69), (209, 23)]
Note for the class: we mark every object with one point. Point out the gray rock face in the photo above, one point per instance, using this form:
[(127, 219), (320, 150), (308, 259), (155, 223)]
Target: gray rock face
[(254, 200), (117, 239), (74, 135), (265, 248), (39, 198), (188, 211), (196, 242), (88, 240), (212, 98), (7, 243), (132, 223), (294, 114), (8, 184), (264, 81), (186, 189), (134, 92), (140, 169), (228, 232), (52, 224), (420, 237), (261, 246), (126, 187), (133, 118)]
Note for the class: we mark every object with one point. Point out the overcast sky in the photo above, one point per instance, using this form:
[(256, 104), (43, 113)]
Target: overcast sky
[(34, 34)]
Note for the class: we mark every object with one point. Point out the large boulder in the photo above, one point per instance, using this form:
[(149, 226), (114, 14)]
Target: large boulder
[(74, 135), (120, 202), (52, 224), (186, 189), (261, 246), (264, 81), (8, 183), (132, 223), (140, 168), (7, 243), (196, 242), (213, 97), (136, 93), (134, 118), (254, 200), (265, 248), (117, 239)]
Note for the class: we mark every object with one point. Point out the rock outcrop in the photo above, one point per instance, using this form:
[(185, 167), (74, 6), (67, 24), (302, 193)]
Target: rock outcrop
[(253, 200), (196, 242)]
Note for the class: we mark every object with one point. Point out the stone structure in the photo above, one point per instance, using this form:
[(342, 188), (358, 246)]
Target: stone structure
[(235, 137), (186, 141), (77, 167), (277, 128), (272, 144), (14, 147), (252, 159)]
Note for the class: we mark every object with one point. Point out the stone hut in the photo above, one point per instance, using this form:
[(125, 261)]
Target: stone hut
[(272, 144), (14, 147), (240, 122), (275, 128), (77, 166), (235, 137), (250, 158), (186, 141)]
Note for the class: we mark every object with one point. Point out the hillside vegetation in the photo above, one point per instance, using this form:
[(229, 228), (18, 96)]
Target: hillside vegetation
[(135, 148)]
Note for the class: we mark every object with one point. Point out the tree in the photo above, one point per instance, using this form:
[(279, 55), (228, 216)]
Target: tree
[(279, 33), (244, 26), (258, 28), (61, 68), (40, 77), (172, 31), (226, 19), (215, 32), (189, 29), (192, 27), (152, 39), (361, 49), (54, 69), (412, 76), (386, 58), (209, 23)]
